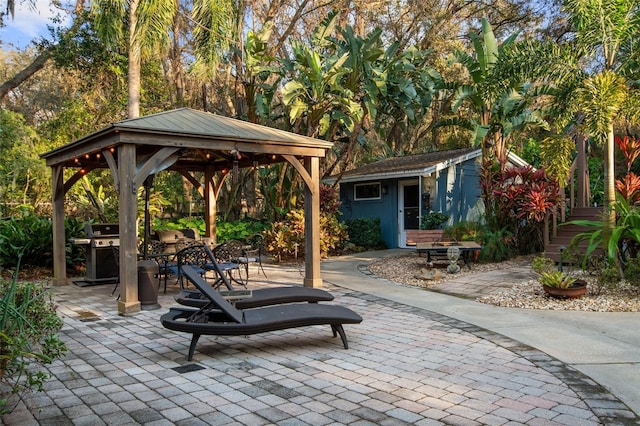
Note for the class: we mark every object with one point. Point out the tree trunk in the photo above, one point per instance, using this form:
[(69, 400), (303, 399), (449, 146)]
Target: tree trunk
[(35, 66), (134, 62), (177, 72), (609, 183)]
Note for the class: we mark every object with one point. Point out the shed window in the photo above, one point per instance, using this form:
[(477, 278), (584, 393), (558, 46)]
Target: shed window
[(367, 191)]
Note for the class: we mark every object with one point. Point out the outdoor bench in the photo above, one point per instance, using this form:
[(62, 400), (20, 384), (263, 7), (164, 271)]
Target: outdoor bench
[(415, 236)]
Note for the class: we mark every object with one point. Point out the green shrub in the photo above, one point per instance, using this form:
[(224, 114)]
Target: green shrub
[(433, 220), (496, 245), (31, 237), (238, 230), (74, 254), (464, 231), (29, 327), (225, 230), (333, 235), (607, 279), (27, 234), (365, 233), (632, 271), (194, 222), (623, 239), (542, 264), (285, 240)]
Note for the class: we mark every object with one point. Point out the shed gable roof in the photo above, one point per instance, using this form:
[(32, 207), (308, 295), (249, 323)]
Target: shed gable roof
[(408, 165)]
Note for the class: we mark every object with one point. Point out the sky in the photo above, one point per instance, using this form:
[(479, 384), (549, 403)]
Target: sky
[(27, 24)]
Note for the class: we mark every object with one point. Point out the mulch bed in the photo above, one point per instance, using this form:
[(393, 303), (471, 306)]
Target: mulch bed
[(36, 273)]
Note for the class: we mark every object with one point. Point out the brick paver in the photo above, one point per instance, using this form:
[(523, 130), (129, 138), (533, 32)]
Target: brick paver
[(404, 366)]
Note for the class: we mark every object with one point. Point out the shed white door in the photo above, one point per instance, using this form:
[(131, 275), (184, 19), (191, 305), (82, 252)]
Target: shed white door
[(408, 209)]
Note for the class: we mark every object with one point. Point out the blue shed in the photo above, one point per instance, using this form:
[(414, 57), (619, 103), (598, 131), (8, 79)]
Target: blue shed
[(399, 190)]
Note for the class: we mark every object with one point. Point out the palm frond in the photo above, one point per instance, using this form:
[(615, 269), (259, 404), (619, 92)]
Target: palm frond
[(109, 18)]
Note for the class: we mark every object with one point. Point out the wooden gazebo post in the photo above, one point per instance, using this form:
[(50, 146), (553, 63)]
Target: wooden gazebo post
[(128, 302), (310, 173), (312, 277), (210, 203), (59, 252)]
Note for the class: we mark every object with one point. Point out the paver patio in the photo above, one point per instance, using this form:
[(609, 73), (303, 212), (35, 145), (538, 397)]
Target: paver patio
[(405, 366)]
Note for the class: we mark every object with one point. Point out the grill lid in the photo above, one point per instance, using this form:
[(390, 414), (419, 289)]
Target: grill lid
[(101, 230)]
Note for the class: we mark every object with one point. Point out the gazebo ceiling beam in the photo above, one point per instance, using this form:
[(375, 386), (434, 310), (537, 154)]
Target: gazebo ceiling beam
[(91, 149), (208, 155)]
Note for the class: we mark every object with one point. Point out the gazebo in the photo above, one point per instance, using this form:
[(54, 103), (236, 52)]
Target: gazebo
[(185, 141)]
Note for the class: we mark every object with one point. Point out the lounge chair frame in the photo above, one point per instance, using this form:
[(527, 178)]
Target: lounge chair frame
[(220, 318), (260, 297)]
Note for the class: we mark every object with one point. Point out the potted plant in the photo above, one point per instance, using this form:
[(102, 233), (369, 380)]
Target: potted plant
[(557, 283)]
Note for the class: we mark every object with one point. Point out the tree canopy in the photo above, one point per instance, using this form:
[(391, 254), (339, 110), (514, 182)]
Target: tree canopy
[(377, 79)]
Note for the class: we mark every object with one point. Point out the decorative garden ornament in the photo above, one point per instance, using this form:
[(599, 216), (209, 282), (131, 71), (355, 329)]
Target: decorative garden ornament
[(453, 253)]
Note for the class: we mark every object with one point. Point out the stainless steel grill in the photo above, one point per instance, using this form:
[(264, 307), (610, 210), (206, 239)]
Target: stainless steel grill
[(101, 262)]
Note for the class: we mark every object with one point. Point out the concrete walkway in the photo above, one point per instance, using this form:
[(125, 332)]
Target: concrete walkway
[(419, 357), (603, 345)]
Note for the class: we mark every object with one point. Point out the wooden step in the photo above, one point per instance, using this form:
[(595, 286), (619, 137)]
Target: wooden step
[(590, 213), (570, 228), (552, 251), (565, 240), (566, 232)]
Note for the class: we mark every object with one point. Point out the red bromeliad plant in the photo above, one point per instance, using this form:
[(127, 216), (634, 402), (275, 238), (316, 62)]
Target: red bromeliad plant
[(629, 186), (522, 197), (542, 198), (630, 147)]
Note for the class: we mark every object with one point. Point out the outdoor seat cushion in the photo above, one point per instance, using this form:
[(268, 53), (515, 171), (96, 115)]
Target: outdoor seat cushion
[(169, 235), (258, 320), (262, 297)]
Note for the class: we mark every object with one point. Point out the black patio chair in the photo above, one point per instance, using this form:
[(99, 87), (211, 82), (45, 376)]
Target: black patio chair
[(259, 297), (193, 255), (252, 252), (227, 255), (157, 250), (115, 250)]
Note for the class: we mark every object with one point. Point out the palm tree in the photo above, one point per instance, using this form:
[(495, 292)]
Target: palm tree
[(143, 28), (605, 30), (596, 93)]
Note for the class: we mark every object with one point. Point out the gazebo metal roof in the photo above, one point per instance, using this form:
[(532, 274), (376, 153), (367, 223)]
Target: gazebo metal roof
[(190, 130)]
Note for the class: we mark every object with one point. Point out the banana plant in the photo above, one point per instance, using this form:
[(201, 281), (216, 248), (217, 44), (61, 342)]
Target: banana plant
[(263, 74), (316, 91), (479, 95)]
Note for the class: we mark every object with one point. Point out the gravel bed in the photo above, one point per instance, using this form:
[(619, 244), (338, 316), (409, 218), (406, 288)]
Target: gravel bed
[(526, 294)]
